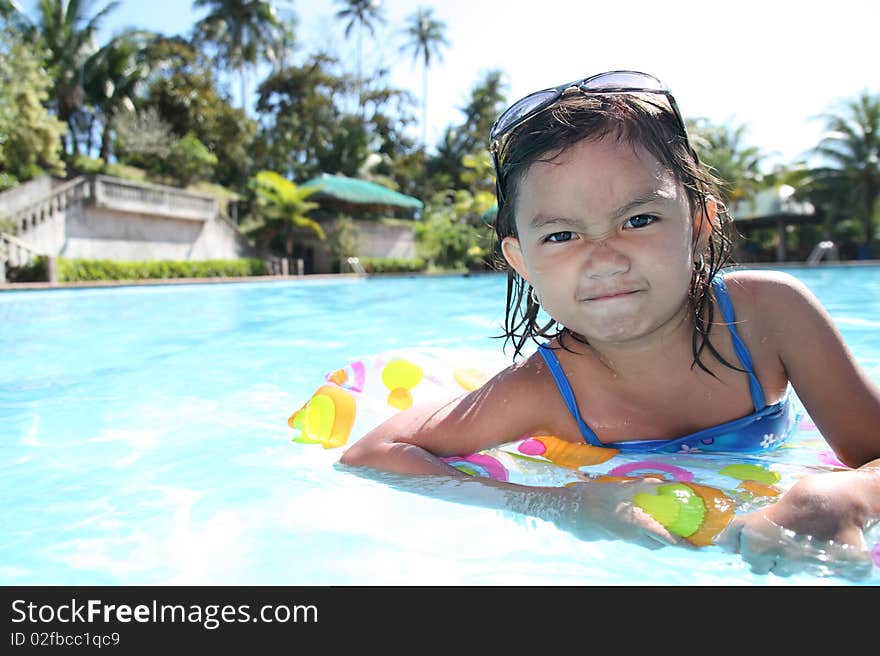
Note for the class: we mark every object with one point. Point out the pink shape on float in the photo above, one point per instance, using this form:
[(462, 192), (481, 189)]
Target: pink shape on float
[(532, 447), (678, 473), (828, 458), (488, 464)]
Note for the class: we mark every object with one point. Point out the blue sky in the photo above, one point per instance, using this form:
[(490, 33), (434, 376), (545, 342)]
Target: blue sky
[(773, 65)]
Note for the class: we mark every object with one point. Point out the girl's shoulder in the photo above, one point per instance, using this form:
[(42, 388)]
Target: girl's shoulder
[(525, 395), (772, 305), (767, 293)]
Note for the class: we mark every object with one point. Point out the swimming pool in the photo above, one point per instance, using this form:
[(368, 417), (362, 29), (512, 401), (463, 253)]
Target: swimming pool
[(145, 442)]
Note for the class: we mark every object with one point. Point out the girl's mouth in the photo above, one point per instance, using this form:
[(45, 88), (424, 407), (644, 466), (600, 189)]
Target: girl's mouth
[(610, 296)]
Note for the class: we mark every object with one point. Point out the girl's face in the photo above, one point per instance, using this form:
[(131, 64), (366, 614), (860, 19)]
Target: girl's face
[(605, 238)]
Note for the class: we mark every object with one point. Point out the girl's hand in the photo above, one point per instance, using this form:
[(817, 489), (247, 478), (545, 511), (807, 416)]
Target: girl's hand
[(608, 510), (818, 525)]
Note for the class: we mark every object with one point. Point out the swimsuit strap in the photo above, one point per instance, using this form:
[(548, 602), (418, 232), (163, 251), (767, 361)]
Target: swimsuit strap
[(742, 351), (567, 393)]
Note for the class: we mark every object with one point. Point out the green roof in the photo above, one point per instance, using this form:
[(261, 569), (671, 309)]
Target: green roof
[(359, 192)]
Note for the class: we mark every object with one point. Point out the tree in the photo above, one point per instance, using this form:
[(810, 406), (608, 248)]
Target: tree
[(360, 13), (30, 138), (426, 35), (114, 76), (67, 33), (244, 32), (12, 13), (188, 101), (306, 131), (281, 212), (851, 148), (470, 138), (723, 148), (300, 103)]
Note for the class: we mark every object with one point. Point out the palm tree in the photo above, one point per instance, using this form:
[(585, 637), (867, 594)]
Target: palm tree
[(12, 12), (851, 147), (724, 149), (68, 34), (282, 211), (114, 75), (426, 36), (244, 32), (360, 13)]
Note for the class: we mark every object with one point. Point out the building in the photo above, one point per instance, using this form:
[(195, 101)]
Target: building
[(382, 220), (770, 208), (102, 217)]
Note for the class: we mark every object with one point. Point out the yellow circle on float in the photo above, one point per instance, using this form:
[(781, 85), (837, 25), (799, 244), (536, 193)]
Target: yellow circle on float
[(401, 374)]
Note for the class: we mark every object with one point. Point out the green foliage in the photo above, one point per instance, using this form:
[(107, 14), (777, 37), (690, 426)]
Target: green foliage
[(190, 160), (7, 181), (426, 35), (188, 101), (462, 155), (77, 270), (112, 78), (738, 165), (242, 31), (85, 165), (36, 271), (446, 238), (30, 138), (281, 212), (850, 149), (393, 264), (67, 33), (343, 240), (126, 172), (308, 132), (9, 226)]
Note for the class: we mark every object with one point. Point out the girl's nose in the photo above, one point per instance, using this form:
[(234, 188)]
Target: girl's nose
[(604, 260)]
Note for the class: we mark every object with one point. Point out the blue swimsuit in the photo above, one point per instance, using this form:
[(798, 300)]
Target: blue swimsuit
[(767, 427)]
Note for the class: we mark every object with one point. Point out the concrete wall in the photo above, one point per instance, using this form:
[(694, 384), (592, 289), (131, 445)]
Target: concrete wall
[(378, 240), (374, 240), (99, 233), (108, 218)]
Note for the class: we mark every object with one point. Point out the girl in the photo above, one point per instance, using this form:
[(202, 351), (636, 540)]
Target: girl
[(609, 223)]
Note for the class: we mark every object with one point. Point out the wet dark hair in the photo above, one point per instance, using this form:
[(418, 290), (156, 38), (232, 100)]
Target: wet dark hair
[(638, 119)]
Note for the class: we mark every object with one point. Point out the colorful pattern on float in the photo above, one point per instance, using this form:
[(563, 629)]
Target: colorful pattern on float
[(700, 493)]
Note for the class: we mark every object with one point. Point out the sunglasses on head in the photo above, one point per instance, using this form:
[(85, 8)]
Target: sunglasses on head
[(603, 83)]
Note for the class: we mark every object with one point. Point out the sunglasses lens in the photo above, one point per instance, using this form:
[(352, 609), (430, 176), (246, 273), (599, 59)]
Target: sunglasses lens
[(623, 80), (519, 109)]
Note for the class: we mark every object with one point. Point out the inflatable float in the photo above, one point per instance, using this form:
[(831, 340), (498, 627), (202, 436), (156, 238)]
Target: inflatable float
[(700, 493)]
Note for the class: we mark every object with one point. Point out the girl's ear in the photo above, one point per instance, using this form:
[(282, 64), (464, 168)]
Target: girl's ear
[(513, 254), (704, 221)]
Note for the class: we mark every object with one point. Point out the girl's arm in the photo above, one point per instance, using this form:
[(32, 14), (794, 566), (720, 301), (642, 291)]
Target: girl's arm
[(414, 441), (510, 405), (822, 518), (838, 395)]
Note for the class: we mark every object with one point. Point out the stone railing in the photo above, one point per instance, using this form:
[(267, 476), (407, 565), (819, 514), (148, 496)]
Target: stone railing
[(31, 216), (14, 252), (142, 198)]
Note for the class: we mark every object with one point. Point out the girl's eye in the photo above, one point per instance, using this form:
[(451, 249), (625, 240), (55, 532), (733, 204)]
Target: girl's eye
[(641, 220), (560, 236)]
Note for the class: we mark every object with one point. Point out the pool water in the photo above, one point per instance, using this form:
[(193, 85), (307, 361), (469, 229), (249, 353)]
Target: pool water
[(145, 442)]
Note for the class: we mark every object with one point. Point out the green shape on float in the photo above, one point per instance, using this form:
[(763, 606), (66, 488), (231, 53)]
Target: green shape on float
[(744, 472), (677, 507)]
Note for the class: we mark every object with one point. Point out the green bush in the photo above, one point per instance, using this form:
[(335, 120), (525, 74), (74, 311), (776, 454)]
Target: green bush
[(126, 172), (80, 270), (88, 165), (190, 160), (393, 264), (36, 271)]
